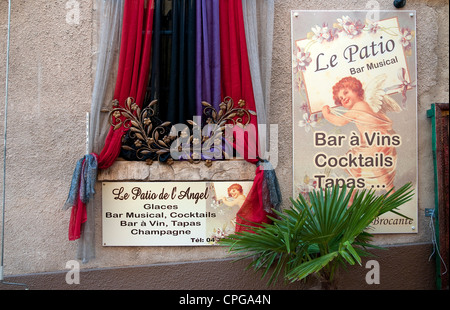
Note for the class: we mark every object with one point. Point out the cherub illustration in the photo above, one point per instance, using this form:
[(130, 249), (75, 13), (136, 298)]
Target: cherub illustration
[(235, 199), (366, 108)]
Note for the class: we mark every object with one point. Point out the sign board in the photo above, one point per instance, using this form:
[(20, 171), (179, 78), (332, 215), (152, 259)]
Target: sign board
[(170, 213), (355, 104)]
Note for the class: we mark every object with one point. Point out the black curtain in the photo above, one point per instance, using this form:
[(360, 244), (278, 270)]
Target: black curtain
[(172, 80)]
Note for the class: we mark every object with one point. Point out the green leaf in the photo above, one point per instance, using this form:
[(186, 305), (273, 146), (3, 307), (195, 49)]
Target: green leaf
[(347, 257), (312, 266), (352, 251)]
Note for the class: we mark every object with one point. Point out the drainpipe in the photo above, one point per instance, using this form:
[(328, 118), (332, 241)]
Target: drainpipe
[(4, 152), (4, 141)]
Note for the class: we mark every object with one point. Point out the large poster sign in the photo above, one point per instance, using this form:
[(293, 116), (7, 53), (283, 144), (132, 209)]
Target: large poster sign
[(170, 213), (355, 103)]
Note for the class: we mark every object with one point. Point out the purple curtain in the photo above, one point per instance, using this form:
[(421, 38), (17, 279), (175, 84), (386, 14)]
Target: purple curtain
[(208, 54)]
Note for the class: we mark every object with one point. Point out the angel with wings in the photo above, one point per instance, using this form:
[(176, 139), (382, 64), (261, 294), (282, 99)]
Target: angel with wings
[(366, 108)]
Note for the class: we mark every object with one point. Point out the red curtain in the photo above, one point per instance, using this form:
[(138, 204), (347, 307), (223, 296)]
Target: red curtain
[(133, 71), (132, 78), (237, 84)]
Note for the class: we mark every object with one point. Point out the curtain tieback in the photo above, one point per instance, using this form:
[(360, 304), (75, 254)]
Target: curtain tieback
[(83, 181), (270, 187)]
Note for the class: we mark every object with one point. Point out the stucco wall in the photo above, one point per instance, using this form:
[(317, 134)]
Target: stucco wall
[(50, 85)]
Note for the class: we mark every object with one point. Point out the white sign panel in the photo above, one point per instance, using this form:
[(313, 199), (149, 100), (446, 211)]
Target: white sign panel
[(170, 213), (355, 105)]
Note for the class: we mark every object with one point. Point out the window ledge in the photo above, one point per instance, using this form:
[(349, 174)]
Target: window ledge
[(227, 170)]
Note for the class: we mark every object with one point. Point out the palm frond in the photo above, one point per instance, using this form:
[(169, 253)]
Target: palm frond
[(312, 266), (316, 235)]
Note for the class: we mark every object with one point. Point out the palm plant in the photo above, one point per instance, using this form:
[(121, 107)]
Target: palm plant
[(318, 235)]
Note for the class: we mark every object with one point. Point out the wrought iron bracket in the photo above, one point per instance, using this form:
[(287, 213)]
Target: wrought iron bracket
[(150, 139)]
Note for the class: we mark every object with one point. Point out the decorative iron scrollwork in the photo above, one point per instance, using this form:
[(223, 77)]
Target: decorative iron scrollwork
[(150, 139)]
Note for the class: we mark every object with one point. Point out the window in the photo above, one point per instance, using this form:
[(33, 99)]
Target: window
[(183, 103)]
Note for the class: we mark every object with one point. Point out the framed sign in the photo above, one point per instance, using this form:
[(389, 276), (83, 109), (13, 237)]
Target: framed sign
[(170, 213), (355, 104)]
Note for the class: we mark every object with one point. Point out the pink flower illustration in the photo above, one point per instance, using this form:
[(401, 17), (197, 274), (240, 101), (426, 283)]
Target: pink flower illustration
[(349, 27), (320, 34), (373, 28), (307, 186), (309, 121), (302, 60), (406, 38), (304, 107), (324, 33)]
